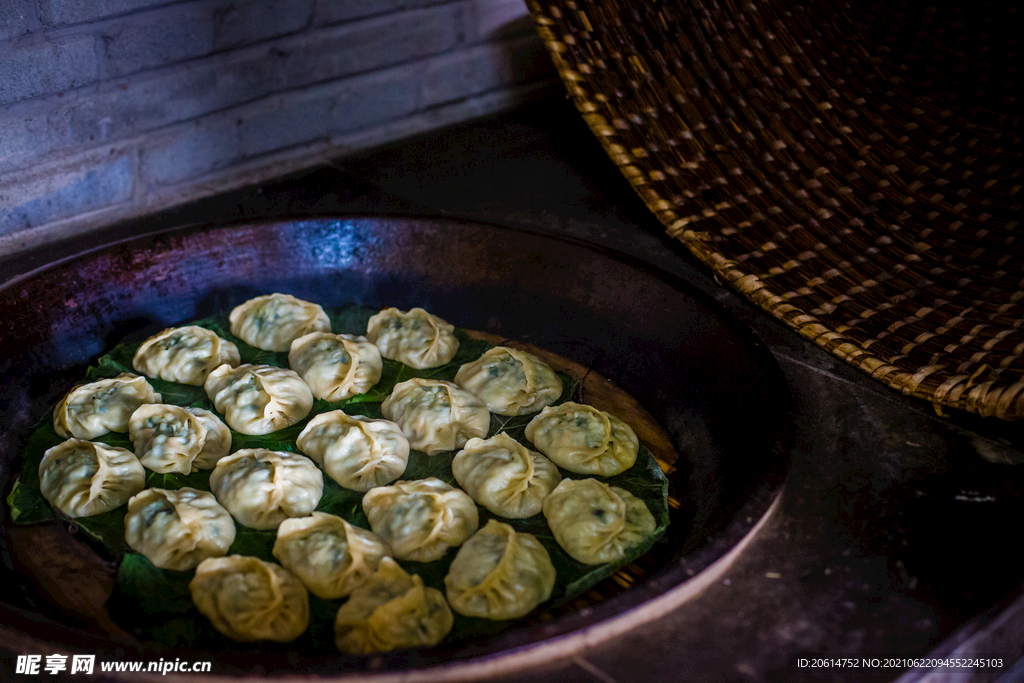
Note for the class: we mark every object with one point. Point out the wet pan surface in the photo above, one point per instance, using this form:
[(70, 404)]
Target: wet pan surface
[(703, 377)]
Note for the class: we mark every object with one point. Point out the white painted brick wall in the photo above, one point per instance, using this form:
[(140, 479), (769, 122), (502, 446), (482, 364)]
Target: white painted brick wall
[(60, 12), (39, 66), (111, 109), (94, 180)]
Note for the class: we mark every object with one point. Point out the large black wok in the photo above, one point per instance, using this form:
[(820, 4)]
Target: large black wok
[(704, 378)]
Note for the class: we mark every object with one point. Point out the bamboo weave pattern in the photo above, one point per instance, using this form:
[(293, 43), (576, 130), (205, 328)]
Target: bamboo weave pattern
[(852, 168)]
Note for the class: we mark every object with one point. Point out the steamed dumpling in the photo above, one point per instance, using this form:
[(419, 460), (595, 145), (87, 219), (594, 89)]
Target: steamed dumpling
[(82, 478), (178, 529), (166, 438), (435, 415), (584, 440), (597, 523), (510, 382), (218, 439), (172, 439), (420, 520), (336, 366), (357, 452), (258, 399), (504, 476), (417, 338), (262, 488), (499, 573), (184, 354), (329, 555), (248, 599), (272, 321), (392, 610), (93, 409)]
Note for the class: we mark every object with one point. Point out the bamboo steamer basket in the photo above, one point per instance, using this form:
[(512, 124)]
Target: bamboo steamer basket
[(853, 168)]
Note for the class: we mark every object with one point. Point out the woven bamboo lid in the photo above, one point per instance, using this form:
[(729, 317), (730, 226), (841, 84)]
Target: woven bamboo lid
[(852, 168)]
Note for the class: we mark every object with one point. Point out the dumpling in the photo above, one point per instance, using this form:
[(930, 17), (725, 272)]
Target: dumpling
[(336, 366), (93, 409), (435, 415), (262, 488), (499, 574), (597, 523), (510, 382), (258, 399), (392, 610), (329, 555), (420, 520), (272, 321), (172, 439), (357, 452), (218, 439), (166, 438), (504, 476), (584, 440), (184, 354), (82, 478), (417, 338), (248, 599), (178, 529)]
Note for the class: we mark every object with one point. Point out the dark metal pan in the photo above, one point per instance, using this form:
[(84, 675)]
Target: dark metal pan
[(708, 382)]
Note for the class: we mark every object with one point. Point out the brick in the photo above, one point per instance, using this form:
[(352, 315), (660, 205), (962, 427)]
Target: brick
[(200, 88), (483, 68), (28, 138), (45, 67), (334, 12), (377, 98), (450, 77), (180, 33), (156, 38), (68, 125), (286, 121), (213, 143), (136, 105), (491, 19), (372, 44), (244, 23), (15, 18), (60, 12), (91, 182), (190, 150), (337, 11)]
